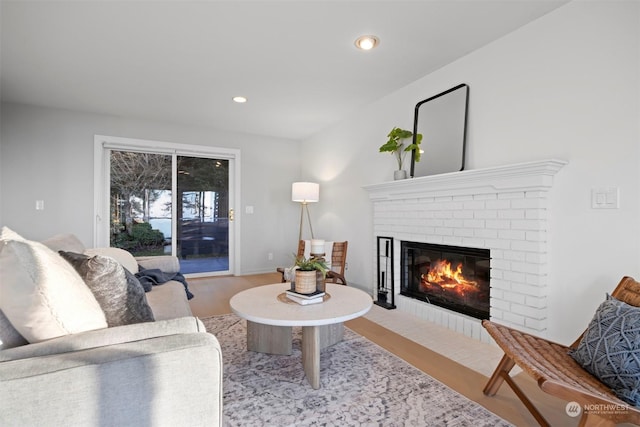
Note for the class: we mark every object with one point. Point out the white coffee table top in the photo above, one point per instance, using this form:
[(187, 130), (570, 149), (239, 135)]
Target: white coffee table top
[(261, 305)]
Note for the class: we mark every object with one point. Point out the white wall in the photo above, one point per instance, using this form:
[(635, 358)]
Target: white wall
[(566, 86), (47, 154), (1, 199)]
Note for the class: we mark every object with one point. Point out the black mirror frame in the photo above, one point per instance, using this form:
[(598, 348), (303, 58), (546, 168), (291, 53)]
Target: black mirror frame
[(464, 131)]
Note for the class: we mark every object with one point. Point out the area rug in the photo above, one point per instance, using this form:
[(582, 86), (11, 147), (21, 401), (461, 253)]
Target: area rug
[(362, 384)]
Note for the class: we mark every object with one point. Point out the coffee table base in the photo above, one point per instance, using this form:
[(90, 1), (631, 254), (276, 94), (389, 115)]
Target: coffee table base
[(271, 339)]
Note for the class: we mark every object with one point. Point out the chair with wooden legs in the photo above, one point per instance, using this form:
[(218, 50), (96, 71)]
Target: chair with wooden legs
[(338, 261), (558, 374)]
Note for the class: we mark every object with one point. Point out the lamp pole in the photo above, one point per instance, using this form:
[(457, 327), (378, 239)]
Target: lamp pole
[(305, 192), (305, 206)]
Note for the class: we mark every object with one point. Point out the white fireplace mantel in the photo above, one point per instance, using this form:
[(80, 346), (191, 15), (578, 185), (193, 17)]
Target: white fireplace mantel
[(504, 209), (530, 176)]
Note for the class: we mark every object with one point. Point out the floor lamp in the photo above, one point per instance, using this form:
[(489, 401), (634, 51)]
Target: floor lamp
[(304, 193)]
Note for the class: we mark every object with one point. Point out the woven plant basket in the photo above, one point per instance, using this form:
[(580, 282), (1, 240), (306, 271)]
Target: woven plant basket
[(305, 282)]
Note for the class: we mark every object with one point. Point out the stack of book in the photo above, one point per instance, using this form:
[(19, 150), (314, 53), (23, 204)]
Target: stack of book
[(305, 299)]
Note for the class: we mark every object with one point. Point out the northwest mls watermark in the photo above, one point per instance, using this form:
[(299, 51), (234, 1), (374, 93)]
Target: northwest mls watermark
[(573, 409)]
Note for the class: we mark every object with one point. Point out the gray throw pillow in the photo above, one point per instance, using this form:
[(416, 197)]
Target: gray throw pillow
[(118, 291), (610, 348)]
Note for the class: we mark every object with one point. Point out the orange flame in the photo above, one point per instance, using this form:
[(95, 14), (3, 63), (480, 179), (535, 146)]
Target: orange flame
[(443, 276)]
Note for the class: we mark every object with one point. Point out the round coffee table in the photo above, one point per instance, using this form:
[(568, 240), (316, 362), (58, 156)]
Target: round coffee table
[(270, 321)]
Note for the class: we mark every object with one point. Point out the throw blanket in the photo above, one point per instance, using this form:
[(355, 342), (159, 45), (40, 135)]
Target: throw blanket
[(153, 277)]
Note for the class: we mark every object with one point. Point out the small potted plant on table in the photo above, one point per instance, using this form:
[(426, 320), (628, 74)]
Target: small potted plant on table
[(308, 273)]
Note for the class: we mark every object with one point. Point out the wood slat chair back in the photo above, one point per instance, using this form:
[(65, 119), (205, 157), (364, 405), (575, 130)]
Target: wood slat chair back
[(558, 374)]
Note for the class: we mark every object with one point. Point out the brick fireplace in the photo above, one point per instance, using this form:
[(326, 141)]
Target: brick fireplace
[(502, 209)]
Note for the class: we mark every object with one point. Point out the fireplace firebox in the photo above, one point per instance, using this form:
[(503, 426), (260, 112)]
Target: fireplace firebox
[(452, 277)]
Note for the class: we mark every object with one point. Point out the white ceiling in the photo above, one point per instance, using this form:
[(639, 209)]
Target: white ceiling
[(182, 61)]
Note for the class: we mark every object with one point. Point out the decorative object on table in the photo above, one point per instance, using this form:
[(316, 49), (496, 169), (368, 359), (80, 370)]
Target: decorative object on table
[(396, 146), (308, 270), (305, 193), (312, 295), (317, 252), (385, 273), (317, 248), (293, 298), (306, 299), (335, 258), (443, 118)]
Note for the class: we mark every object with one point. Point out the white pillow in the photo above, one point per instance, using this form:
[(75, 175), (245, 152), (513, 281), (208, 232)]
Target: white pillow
[(41, 294)]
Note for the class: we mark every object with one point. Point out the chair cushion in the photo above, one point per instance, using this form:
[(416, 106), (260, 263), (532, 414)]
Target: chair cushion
[(610, 348), (41, 294), (118, 292)]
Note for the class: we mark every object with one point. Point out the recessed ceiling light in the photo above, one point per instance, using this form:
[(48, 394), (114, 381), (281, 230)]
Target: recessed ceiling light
[(367, 42), (239, 99)]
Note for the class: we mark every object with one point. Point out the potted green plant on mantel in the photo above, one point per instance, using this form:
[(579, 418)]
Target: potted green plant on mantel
[(396, 146), (308, 273)]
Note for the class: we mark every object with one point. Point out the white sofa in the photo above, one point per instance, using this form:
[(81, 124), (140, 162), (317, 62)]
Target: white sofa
[(165, 372)]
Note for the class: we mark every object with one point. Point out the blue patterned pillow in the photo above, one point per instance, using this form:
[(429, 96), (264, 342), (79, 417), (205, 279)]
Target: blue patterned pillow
[(610, 348)]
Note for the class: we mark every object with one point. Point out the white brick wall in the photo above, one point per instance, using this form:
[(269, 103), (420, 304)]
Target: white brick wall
[(502, 209)]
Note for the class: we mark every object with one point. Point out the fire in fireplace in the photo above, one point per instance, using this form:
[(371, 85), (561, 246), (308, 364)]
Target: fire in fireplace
[(456, 278)]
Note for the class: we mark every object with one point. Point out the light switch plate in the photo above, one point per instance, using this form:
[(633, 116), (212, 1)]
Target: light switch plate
[(605, 198)]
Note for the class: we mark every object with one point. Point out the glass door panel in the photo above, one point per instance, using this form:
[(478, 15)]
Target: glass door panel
[(202, 214), (140, 202)]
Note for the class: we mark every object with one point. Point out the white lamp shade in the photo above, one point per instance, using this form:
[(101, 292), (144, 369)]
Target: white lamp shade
[(305, 192)]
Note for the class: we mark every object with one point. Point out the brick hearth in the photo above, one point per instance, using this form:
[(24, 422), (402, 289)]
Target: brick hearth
[(504, 209)]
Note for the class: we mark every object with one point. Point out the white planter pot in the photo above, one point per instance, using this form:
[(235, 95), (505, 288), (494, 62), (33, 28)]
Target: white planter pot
[(399, 174)]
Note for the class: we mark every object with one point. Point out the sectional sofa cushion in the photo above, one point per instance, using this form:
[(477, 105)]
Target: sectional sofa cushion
[(168, 264), (125, 258), (118, 292), (41, 294), (64, 242)]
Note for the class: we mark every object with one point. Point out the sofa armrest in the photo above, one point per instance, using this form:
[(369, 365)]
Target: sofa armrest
[(104, 337), (165, 380), (164, 263)]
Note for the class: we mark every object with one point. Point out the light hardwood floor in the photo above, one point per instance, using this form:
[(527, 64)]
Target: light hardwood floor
[(212, 298)]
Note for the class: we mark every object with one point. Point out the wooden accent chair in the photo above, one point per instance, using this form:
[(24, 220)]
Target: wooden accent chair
[(338, 262), (558, 374)]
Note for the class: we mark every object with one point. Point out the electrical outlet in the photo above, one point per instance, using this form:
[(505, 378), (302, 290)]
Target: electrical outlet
[(270, 256), (39, 205)]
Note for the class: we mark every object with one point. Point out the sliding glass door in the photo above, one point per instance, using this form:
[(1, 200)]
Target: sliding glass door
[(203, 214), (171, 203)]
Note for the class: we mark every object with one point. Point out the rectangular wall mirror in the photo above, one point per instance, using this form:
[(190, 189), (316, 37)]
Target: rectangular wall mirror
[(442, 121)]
